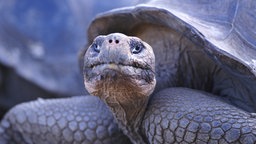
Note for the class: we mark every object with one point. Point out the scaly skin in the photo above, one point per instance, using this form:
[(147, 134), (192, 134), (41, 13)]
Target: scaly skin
[(174, 115), (83, 119), (185, 116), (180, 115)]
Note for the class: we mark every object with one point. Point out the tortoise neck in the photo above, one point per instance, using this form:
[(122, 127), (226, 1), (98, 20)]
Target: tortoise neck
[(128, 109)]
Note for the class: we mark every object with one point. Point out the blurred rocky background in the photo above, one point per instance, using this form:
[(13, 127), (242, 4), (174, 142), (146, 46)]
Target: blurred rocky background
[(39, 45)]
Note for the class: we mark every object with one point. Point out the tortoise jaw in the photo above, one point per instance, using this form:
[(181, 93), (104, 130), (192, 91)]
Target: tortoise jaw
[(134, 64), (96, 71), (111, 66), (101, 77)]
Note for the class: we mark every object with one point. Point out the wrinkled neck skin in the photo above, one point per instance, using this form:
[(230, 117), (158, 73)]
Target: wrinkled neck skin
[(128, 107)]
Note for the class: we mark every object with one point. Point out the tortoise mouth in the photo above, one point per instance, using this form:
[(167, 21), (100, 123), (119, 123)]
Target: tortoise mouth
[(113, 66), (134, 71), (117, 65)]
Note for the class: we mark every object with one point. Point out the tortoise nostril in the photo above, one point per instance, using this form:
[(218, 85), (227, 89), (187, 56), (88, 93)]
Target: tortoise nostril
[(116, 41)]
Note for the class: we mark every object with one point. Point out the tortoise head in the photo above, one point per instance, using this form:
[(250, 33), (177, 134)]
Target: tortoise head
[(121, 71), (118, 63)]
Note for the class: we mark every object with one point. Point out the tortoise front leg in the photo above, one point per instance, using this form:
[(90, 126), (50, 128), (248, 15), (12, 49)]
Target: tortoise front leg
[(180, 115), (83, 119)]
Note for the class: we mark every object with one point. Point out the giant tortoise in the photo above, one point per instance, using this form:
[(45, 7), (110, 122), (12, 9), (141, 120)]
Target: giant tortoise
[(185, 74)]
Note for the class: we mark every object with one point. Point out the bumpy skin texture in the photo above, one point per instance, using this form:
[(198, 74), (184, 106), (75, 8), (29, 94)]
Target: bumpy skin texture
[(175, 115), (180, 115), (83, 119)]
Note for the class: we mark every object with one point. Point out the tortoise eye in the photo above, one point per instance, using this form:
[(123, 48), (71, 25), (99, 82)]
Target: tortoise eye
[(136, 46), (96, 47), (137, 49)]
